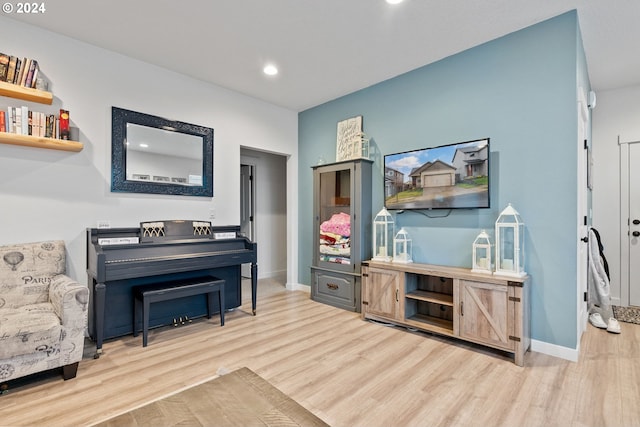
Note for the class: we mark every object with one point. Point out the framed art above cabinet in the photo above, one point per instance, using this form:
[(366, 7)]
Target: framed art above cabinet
[(151, 154)]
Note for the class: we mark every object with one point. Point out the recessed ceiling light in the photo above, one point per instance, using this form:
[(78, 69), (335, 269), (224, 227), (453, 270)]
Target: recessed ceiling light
[(270, 70), (394, 1)]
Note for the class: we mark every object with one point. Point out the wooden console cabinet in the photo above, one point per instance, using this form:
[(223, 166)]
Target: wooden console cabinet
[(482, 308)]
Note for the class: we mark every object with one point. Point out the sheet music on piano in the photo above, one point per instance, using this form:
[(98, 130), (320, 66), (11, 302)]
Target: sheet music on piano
[(105, 241), (225, 235)]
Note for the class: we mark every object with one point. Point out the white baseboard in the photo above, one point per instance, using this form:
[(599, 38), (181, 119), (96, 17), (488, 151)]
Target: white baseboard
[(280, 275), (566, 353), (298, 287)]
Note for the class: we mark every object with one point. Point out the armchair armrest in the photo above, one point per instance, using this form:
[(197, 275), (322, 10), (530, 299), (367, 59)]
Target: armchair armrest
[(70, 301)]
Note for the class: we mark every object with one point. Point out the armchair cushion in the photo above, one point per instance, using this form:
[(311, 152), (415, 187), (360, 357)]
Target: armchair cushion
[(29, 329)]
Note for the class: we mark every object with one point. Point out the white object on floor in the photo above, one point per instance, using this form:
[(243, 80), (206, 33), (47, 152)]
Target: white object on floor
[(222, 371), (596, 320), (613, 326)]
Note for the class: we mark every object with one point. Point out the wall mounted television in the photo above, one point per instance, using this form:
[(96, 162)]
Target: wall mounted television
[(453, 176)]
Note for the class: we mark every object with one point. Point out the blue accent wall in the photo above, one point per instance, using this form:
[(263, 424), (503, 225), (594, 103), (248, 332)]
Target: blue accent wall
[(520, 91)]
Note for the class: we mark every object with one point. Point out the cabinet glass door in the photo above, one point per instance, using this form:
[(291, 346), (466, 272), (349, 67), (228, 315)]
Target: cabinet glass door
[(335, 217)]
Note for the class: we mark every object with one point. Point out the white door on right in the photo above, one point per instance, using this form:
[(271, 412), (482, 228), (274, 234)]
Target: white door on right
[(634, 224)]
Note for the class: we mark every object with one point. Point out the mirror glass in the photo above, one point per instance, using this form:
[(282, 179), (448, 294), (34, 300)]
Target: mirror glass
[(151, 154)]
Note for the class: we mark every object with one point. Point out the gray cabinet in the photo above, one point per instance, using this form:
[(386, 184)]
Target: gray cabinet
[(342, 225)]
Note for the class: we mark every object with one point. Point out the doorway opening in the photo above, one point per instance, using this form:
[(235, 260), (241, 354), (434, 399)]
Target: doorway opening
[(263, 210)]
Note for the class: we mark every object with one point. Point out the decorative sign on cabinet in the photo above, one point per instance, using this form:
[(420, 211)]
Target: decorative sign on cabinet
[(452, 301)]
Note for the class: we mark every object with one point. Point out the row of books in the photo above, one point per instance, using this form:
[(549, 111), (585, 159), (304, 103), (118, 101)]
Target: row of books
[(22, 72), (23, 121)]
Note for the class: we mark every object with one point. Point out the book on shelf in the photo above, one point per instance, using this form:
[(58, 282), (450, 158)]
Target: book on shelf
[(16, 72), (11, 73), (64, 124), (4, 66), (29, 80), (51, 126), (3, 122)]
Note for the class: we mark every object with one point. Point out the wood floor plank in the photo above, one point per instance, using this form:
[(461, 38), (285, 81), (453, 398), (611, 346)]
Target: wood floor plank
[(345, 370)]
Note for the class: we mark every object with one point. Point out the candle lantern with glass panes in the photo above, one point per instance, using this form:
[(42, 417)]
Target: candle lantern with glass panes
[(383, 229), (402, 247), (481, 262), (510, 243)]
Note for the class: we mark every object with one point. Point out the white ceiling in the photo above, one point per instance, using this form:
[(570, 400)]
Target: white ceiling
[(329, 48)]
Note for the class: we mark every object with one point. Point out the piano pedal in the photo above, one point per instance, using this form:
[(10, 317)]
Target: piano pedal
[(181, 321), (175, 322), (186, 319)]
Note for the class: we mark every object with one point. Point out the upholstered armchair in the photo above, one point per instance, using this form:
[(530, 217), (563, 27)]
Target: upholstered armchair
[(43, 312)]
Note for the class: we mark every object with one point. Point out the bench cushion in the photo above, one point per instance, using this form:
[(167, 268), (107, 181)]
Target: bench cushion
[(174, 288)]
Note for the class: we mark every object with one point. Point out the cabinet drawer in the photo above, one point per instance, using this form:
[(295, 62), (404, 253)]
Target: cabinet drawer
[(336, 289)]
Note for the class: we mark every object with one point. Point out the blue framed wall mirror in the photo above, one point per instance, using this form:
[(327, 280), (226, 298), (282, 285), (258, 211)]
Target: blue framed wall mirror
[(151, 154)]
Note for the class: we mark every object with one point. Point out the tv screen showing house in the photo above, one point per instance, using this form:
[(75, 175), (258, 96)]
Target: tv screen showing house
[(454, 176)]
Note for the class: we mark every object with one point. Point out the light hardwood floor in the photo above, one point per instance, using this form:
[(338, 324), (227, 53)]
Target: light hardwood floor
[(347, 371)]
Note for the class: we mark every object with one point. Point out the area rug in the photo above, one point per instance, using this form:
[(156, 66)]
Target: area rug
[(627, 314), (239, 398)]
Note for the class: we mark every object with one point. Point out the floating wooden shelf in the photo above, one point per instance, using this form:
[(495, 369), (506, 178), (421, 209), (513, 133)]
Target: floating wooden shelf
[(40, 142), (25, 93)]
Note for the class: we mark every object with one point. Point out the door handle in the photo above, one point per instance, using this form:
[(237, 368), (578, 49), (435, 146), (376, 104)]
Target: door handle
[(585, 239), (636, 221), (636, 233)]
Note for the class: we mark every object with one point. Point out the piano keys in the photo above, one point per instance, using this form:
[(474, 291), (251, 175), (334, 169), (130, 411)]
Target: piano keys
[(120, 258)]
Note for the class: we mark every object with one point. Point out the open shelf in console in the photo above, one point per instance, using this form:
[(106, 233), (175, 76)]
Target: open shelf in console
[(429, 300)]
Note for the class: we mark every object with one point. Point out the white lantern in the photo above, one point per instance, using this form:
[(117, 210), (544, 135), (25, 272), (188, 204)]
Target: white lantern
[(402, 247), (510, 243), (383, 229), (482, 253)]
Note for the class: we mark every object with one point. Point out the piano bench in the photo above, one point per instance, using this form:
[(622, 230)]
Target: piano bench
[(145, 295)]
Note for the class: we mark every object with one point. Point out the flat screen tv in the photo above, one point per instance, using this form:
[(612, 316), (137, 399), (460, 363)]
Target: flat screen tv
[(454, 176)]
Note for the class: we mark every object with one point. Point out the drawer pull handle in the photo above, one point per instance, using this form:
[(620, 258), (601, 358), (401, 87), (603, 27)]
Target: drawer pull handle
[(332, 286)]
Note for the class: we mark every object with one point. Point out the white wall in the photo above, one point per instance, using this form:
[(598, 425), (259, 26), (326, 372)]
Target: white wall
[(617, 114), (46, 194)]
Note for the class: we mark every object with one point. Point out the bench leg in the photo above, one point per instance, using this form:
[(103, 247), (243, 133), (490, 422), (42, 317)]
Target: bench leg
[(209, 305), (145, 321), (221, 301), (136, 307)]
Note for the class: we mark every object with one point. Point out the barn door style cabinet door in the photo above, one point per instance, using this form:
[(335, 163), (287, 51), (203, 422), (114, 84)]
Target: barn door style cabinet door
[(382, 293), (451, 301), (341, 231)]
